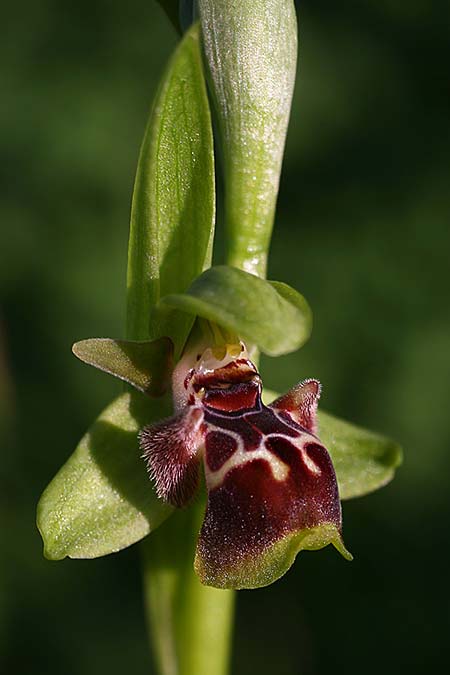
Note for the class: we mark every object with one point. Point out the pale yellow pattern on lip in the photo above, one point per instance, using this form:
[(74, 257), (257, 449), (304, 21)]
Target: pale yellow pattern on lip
[(309, 463), (240, 457)]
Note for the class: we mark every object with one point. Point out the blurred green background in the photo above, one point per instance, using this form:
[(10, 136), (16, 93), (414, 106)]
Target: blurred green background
[(362, 230)]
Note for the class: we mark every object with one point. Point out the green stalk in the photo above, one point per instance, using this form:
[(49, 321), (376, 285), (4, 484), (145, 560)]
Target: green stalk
[(190, 625)]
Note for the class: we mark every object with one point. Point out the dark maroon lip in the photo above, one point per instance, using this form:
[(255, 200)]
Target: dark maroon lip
[(250, 510), (267, 474)]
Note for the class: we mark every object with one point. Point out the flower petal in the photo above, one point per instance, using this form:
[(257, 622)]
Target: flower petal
[(364, 461), (272, 491), (301, 403), (170, 450)]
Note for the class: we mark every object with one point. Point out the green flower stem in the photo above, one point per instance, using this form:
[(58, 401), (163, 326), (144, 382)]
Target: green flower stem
[(190, 624)]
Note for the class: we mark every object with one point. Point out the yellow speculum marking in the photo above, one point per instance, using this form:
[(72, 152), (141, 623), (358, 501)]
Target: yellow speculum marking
[(240, 457), (310, 464)]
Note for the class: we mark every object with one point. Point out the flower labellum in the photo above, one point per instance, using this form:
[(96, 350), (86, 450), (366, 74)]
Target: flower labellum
[(272, 489)]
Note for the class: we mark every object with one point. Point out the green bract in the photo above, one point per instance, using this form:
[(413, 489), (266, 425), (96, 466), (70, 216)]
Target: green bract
[(268, 314), (172, 217), (251, 54)]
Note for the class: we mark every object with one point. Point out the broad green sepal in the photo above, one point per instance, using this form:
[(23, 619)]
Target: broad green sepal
[(145, 365), (250, 50), (363, 460), (262, 569), (270, 315), (101, 500), (173, 209)]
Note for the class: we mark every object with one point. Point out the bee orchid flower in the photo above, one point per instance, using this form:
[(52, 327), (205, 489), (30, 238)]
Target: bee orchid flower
[(271, 485)]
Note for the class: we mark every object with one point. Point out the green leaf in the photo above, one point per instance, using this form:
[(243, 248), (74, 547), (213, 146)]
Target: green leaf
[(251, 52), (270, 315), (145, 365), (364, 461), (102, 500), (173, 210)]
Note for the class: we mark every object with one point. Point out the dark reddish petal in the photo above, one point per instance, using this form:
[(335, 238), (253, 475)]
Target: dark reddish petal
[(301, 403), (171, 451), (263, 510)]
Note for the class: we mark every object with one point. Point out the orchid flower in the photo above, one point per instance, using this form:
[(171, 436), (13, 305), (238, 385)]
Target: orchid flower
[(272, 488), (271, 485)]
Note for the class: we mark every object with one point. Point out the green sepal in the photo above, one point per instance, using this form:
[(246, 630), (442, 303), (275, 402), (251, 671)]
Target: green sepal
[(102, 500), (173, 208), (268, 314), (145, 365), (262, 569), (363, 460)]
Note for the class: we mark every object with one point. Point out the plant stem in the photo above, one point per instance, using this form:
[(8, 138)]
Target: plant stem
[(190, 625)]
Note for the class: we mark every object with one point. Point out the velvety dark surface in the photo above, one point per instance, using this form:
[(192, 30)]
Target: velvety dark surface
[(362, 230), (251, 508)]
